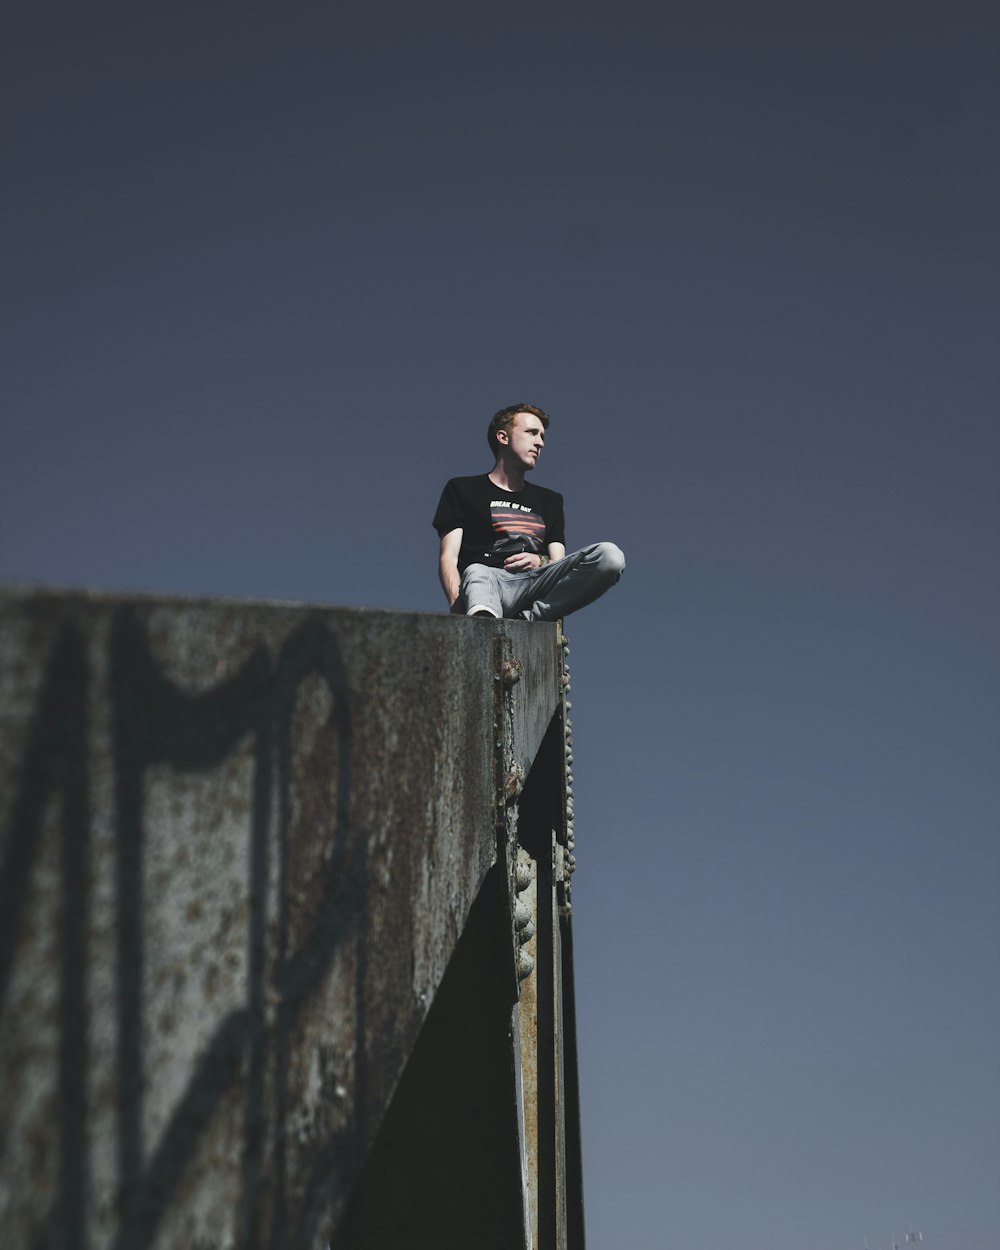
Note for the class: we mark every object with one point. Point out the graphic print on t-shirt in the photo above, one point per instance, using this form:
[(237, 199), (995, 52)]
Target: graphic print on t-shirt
[(516, 518), (517, 526)]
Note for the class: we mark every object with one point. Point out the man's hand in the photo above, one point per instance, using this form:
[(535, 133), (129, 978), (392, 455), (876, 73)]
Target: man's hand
[(523, 561)]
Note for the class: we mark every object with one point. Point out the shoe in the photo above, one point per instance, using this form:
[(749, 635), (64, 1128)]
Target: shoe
[(479, 610)]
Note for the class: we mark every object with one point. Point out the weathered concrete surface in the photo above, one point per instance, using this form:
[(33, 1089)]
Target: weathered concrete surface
[(239, 845)]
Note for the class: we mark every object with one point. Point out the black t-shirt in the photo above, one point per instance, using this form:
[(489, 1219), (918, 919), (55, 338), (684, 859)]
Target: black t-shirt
[(498, 523)]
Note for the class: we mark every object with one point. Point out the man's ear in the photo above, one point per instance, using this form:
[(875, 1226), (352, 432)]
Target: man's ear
[(503, 436)]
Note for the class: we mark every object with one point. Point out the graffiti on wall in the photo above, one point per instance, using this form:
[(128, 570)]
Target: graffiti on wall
[(154, 723)]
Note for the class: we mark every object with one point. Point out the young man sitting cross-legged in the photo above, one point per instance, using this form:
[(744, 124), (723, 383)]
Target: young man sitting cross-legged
[(503, 548)]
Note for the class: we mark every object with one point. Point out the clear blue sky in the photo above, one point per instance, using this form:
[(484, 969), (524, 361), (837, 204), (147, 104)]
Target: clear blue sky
[(268, 271)]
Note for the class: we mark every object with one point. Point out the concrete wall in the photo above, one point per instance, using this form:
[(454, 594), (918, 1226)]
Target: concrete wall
[(240, 845)]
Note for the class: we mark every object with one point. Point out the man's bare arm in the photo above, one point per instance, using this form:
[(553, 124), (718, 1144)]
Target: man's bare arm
[(556, 551), (451, 582)]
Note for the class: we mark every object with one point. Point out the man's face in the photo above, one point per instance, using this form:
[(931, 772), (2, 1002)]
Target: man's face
[(525, 438)]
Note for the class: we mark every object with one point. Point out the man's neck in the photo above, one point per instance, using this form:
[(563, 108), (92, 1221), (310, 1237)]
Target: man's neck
[(507, 476)]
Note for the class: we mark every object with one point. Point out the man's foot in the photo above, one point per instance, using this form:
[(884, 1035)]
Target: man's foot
[(479, 610)]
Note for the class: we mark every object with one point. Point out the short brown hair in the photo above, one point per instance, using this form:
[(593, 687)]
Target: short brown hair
[(504, 419)]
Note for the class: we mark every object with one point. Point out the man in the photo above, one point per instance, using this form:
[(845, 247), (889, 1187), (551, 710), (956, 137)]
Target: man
[(503, 547)]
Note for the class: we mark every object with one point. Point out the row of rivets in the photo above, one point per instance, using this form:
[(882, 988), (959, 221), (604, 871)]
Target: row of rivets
[(523, 928), (568, 859)]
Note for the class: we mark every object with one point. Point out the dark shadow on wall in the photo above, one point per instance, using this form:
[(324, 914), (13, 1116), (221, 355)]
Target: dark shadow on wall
[(55, 768), (156, 722), (444, 1171)]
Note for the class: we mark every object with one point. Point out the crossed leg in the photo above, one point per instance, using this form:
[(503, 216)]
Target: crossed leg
[(546, 594)]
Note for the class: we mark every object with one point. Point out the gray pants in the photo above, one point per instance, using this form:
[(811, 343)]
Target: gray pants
[(544, 594)]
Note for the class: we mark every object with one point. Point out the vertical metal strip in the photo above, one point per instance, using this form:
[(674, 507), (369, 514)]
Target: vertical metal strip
[(545, 989)]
